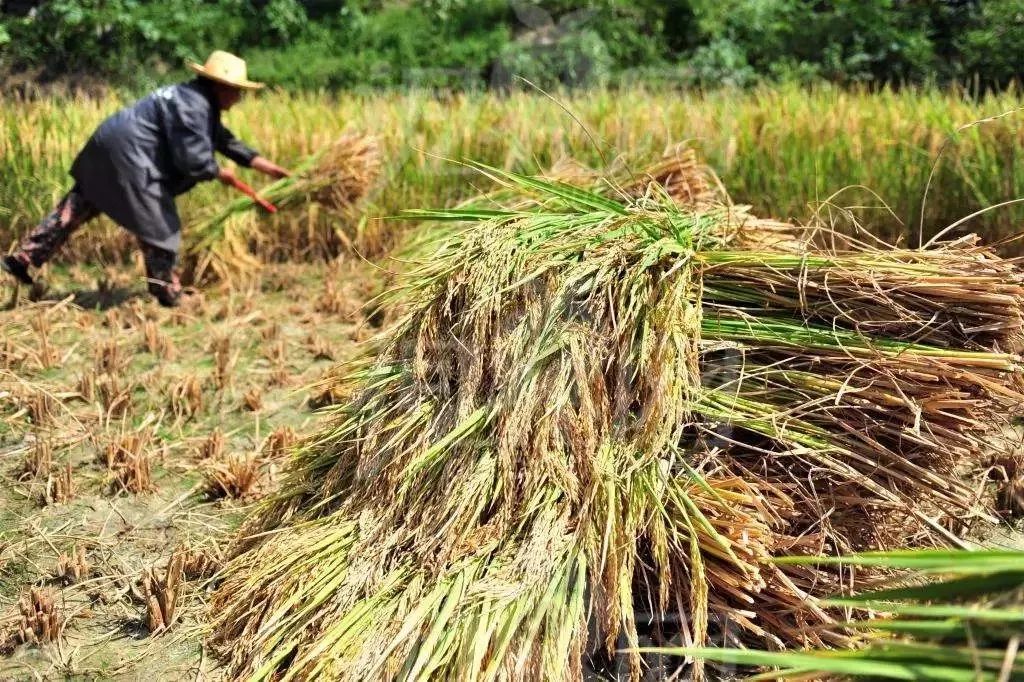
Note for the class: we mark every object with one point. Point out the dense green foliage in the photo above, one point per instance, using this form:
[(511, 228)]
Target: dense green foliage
[(467, 44)]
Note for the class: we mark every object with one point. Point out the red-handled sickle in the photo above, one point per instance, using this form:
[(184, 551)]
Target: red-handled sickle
[(246, 189)]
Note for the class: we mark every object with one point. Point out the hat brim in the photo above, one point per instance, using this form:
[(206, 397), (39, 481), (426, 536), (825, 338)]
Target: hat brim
[(241, 85)]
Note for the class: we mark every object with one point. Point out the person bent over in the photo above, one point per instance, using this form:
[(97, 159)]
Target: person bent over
[(142, 157)]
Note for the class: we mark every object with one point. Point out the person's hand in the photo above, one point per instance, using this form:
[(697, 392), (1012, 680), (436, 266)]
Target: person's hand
[(227, 176), (268, 167)]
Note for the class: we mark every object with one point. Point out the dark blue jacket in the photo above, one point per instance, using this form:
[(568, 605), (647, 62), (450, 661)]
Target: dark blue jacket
[(143, 156)]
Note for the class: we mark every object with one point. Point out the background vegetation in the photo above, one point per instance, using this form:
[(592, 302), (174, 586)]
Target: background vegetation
[(469, 44), (785, 150)]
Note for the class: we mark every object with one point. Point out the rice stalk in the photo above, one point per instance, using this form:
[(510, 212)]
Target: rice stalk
[(958, 617)]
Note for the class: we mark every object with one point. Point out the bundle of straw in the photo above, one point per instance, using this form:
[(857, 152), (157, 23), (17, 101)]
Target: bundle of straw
[(329, 185), (598, 416)]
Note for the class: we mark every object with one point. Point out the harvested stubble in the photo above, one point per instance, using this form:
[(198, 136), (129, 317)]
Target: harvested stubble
[(129, 463), (1008, 470), (186, 397), (253, 399), (114, 393), (60, 486), (329, 185), (10, 354), (45, 353), (87, 385), (277, 354), (200, 563), (318, 347), (213, 446), (156, 342), (162, 594), (41, 622), (71, 568), (595, 414), (42, 407), (223, 361), (237, 477), (39, 459), (279, 442), (110, 357)]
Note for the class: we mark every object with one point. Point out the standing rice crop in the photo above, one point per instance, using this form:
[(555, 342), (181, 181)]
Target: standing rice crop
[(599, 415)]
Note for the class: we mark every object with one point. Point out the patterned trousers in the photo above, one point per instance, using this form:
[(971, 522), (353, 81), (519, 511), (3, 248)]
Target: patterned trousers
[(73, 211)]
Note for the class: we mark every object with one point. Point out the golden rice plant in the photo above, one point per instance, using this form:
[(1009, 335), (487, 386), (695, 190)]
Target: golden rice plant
[(778, 146), (601, 415)]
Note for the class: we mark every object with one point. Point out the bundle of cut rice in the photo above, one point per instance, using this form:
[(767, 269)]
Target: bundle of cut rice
[(318, 216), (598, 418)]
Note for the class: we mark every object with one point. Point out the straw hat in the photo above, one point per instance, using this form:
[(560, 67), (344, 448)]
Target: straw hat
[(226, 68)]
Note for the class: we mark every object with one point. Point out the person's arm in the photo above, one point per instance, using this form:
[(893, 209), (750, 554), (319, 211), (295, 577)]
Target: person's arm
[(236, 150), (187, 132)]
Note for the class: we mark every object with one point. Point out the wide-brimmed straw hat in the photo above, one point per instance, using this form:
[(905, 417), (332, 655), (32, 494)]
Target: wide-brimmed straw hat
[(226, 68)]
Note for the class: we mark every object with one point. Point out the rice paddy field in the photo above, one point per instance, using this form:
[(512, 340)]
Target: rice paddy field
[(784, 151), (517, 388)]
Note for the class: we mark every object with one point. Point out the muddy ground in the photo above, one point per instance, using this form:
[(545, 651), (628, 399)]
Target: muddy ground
[(129, 432)]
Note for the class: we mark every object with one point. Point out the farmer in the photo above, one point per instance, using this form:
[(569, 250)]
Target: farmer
[(139, 159)]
